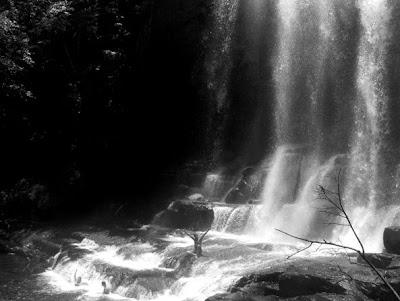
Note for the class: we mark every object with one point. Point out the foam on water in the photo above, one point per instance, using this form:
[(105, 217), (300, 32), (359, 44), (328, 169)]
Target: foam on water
[(226, 258)]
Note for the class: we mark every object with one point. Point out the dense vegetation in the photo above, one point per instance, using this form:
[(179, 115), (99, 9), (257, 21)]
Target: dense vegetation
[(97, 98)]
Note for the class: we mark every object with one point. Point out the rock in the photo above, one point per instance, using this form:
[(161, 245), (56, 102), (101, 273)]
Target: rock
[(180, 263), (240, 296), (395, 263), (45, 246), (391, 239), (137, 282), (305, 279), (149, 285), (241, 193), (196, 197), (325, 297), (380, 261), (297, 284), (186, 214)]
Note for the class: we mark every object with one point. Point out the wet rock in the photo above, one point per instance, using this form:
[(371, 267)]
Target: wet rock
[(45, 246), (185, 214), (306, 279), (391, 239), (259, 289), (255, 202), (196, 197), (296, 284), (380, 261), (149, 287), (240, 296), (242, 192), (139, 282), (395, 263), (325, 297), (180, 263), (37, 264)]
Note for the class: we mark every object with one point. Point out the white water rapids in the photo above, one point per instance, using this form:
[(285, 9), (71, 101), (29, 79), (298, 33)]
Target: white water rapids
[(133, 270)]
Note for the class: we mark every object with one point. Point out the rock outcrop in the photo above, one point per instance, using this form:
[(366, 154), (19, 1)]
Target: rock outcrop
[(186, 214), (305, 279)]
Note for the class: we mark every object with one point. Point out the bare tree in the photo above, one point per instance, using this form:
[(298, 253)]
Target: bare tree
[(333, 207)]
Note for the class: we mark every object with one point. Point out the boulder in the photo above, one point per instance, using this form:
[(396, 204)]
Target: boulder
[(186, 214), (391, 239)]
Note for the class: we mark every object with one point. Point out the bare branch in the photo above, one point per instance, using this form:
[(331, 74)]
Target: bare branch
[(324, 195), (319, 242), (331, 193), (337, 224), (301, 250), (331, 213)]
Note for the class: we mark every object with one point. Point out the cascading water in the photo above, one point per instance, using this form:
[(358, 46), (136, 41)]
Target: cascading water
[(155, 269), (370, 133), (333, 86)]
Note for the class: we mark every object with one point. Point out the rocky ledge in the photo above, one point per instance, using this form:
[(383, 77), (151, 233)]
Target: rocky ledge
[(313, 279)]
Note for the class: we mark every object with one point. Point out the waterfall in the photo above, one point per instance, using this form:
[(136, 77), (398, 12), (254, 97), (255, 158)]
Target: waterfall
[(366, 167), (333, 107), (312, 88)]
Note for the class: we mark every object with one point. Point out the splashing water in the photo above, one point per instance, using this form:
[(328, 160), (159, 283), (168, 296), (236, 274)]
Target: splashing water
[(134, 271)]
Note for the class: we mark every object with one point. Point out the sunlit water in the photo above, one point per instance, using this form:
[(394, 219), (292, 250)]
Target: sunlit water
[(133, 269), (334, 75)]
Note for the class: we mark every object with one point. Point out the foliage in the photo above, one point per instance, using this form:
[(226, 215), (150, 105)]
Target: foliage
[(91, 91), (61, 65)]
